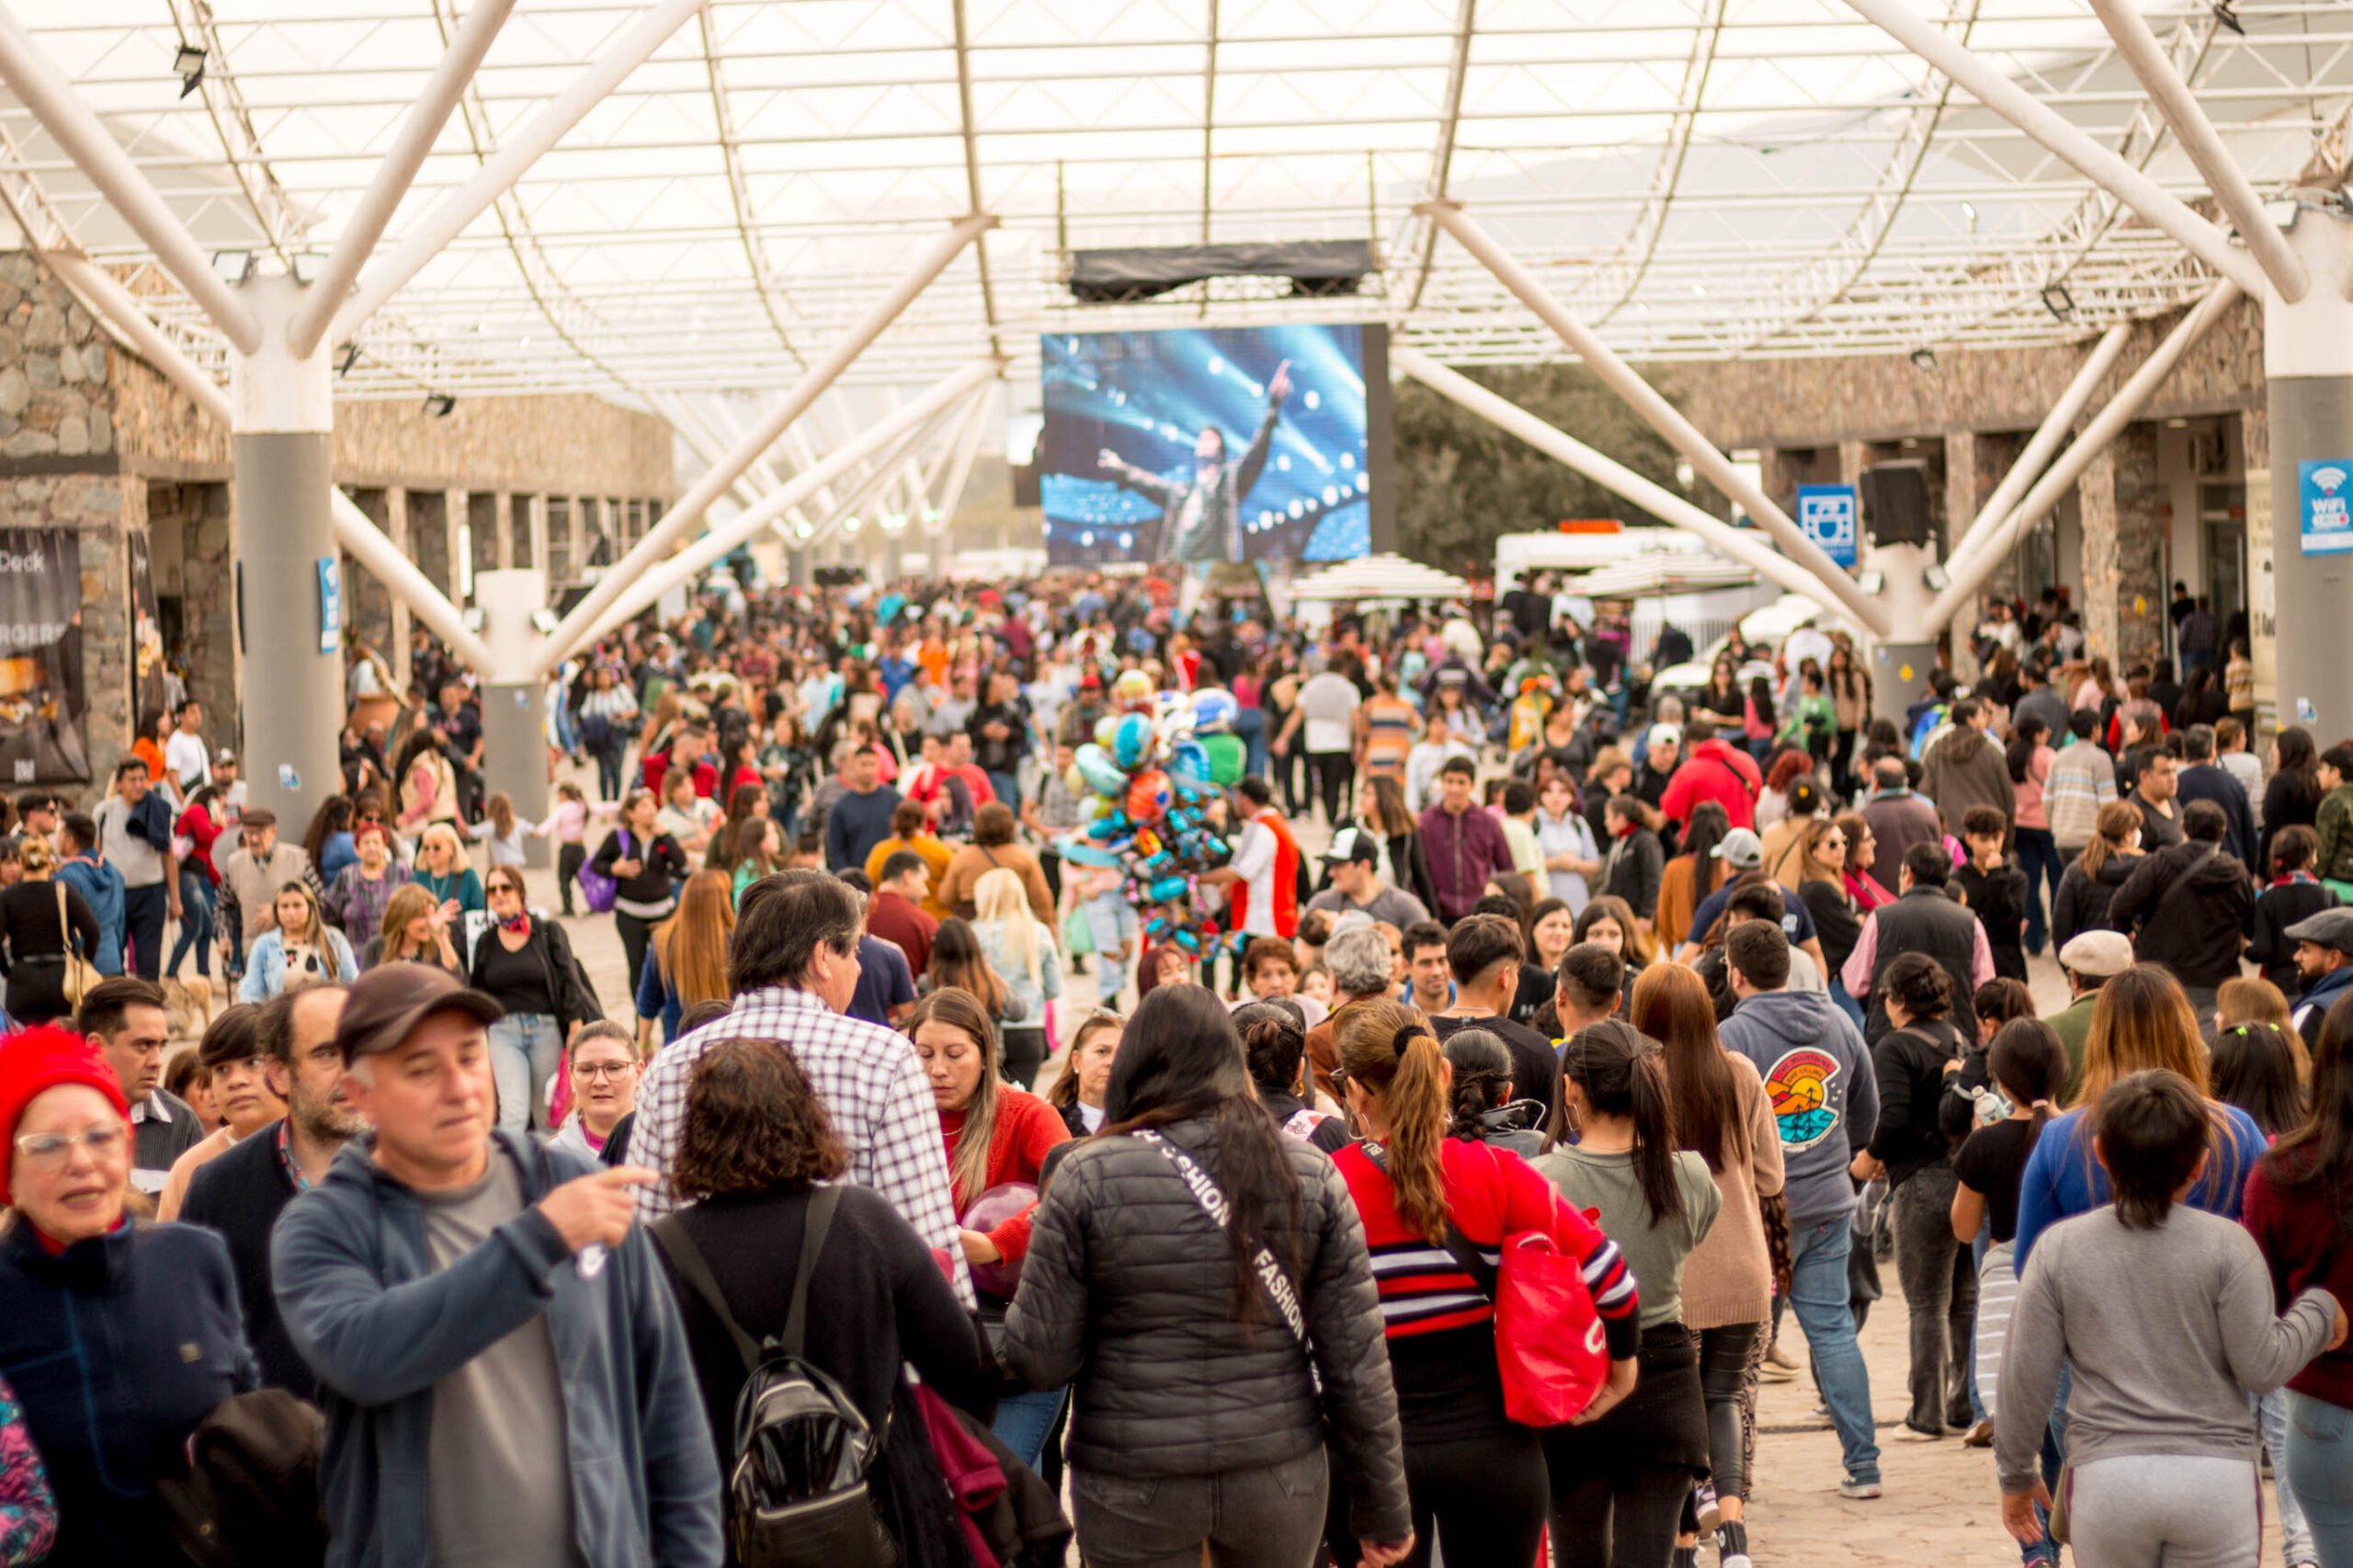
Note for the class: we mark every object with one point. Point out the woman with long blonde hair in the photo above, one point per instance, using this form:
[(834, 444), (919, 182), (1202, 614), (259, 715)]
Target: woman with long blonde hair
[(688, 956), (2142, 1021), (1020, 949), (414, 930), (1432, 1195)]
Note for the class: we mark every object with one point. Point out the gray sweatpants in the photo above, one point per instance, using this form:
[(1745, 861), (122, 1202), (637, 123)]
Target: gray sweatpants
[(2165, 1511)]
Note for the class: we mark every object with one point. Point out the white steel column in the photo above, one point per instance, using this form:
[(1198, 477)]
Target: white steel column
[(2047, 439), (1970, 576), (390, 182), (1750, 549), (644, 586), (1661, 414), (960, 467), (680, 519), (2230, 185)]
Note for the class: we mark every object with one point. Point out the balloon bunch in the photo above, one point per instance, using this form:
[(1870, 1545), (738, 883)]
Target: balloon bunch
[(1144, 786)]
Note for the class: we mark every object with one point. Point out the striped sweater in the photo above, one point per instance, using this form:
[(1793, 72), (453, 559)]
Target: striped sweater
[(1439, 1322)]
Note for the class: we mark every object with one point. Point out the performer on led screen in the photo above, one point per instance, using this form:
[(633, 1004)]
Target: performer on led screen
[(1201, 518)]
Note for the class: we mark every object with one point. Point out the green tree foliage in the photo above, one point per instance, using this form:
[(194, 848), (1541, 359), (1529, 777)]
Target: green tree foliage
[(1461, 482)]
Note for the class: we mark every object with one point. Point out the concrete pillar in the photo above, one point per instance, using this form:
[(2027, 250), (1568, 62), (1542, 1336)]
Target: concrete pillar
[(396, 529), (2263, 563), (2308, 366), (515, 715)]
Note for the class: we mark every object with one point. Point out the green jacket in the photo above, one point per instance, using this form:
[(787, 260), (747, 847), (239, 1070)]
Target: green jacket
[(2335, 825), (2073, 1025)]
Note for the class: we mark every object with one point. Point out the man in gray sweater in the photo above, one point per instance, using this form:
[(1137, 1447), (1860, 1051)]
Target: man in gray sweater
[(2163, 1315), (1825, 1102)]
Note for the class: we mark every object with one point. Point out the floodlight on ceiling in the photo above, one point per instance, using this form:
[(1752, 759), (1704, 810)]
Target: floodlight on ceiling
[(2059, 301), (1870, 580), (440, 404), (188, 63), (233, 267), (307, 265), (2228, 16), (1937, 578), (1924, 359), (345, 359), (849, 524), (2282, 211)]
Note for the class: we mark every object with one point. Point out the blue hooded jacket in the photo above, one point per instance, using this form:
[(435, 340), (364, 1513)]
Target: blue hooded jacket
[(100, 886), (366, 1307)]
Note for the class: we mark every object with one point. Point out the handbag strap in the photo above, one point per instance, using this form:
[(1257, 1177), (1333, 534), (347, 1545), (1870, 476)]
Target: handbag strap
[(1272, 1277), (687, 1259), (66, 940)]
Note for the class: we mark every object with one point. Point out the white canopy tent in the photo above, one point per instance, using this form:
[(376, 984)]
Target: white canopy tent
[(1649, 576), (1381, 577)]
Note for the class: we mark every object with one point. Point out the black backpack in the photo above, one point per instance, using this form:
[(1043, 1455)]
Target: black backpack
[(799, 1491)]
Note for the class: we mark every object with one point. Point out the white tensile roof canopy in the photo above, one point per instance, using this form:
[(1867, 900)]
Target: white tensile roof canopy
[(1694, 178)]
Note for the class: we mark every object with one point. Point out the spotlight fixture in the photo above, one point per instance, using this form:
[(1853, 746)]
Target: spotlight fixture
[(2282, 211), (1870, 579), (440, 404), (1937, 578), (188, 66), (2059, 301), (345, 359), (307, 265), (1924, 359), (1968, 211), (233, 267), (2228, 16)]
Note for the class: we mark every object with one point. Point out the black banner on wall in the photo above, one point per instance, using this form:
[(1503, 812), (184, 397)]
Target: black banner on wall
[(150, 684), (42, 711)]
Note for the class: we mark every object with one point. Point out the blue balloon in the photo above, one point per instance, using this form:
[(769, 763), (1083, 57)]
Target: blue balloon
[(1132, 743), (1213, 709), (1189, 760), (1078, 852), (1168, 888), (1103, 775)]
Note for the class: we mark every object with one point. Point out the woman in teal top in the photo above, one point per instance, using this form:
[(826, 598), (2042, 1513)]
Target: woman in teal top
[(442, 868)]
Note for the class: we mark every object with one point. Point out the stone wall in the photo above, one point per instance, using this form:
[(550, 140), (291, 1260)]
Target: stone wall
[(1812, 403), (570, 444)]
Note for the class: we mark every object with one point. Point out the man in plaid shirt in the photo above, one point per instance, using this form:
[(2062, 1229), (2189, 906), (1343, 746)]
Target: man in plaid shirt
[(792, 965)]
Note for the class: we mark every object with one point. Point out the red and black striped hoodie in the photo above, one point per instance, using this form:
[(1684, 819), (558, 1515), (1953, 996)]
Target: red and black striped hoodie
[(1439, 1322)]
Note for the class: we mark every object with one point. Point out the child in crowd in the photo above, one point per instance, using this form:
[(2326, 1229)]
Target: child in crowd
[(1995, 892), (2163, 1316), (569, 822), (505, 831)]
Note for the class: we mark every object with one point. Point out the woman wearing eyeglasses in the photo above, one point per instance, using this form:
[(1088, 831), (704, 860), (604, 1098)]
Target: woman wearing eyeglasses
[(77, 1274), (525, 965), (1821, 873), (604, 1073)]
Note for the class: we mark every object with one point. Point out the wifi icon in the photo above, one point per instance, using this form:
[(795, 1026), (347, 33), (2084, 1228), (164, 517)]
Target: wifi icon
[(2330, 479)]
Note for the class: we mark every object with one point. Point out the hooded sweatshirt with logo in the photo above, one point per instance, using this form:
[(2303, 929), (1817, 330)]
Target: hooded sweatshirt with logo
[(1819, 1081)]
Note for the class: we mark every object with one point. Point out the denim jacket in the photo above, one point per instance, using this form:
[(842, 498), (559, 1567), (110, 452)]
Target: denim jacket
[(365, 1305)]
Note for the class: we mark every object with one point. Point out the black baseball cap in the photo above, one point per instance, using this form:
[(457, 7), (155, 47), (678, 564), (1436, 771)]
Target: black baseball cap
[(389, 1001)]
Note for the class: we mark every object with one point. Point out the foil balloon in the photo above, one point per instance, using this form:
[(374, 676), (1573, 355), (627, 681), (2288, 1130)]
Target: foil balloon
[(1104, 728), (1132, 687), (1213, 710), (1101, 773), (989, 1211), (1148, 796), (1167, 889), (1133, 743), (1226, 754)]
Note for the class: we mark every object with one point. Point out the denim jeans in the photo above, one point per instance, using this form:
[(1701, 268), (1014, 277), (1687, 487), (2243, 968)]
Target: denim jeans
[(2320, 1470), (1023, 1420), (1940, 1297), (2038, 858), (524, 1051), (1250, 728), (1261, 1516), (196, 923), (1845, 1004), (2271, 1422), (1818, 1294)]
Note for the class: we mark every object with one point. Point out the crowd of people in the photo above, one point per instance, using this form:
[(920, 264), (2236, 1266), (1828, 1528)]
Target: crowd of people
[(1567, 1033)]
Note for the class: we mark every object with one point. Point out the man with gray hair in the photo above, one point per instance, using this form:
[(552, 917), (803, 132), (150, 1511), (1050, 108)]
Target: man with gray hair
[(792, 968), (1898, 816), (1361, 966)]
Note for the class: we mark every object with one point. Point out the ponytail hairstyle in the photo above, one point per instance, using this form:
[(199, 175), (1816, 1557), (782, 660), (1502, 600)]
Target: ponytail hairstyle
[(1620, 1072), (2029, 1062), (2117, 821), (1482, 1074), (1386, 1050)]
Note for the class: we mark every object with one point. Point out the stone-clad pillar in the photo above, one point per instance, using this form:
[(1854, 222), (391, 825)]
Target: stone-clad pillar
[(2125, 538)]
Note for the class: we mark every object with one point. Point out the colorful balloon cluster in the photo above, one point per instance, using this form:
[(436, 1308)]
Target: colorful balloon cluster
[(1144, 784)]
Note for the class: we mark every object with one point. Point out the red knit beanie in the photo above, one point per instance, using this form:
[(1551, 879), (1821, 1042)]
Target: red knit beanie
[(38, 1059)]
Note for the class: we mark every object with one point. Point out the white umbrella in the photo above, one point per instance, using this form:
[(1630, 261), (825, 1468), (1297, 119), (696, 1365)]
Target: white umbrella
[(1381, 577), (1648, 576)]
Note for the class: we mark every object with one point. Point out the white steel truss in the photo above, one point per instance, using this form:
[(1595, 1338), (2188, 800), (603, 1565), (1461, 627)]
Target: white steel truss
[(1695, 178)]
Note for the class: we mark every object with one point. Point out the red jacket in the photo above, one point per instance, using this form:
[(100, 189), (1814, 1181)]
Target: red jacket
[(1490, 1193), (1718, 771), (1025, 1128)]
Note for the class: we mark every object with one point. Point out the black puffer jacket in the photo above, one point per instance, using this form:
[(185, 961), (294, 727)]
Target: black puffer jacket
[(2082, 903), (1128, 1292), (2185, 908)]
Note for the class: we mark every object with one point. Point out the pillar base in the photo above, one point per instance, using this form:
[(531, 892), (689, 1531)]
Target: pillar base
[(515, 757), (1900, 673)]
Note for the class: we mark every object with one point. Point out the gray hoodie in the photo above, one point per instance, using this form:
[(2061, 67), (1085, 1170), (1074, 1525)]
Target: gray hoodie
[(1825, 1101)]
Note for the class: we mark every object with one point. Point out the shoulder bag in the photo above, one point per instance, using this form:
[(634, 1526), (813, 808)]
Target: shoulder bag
[(81, 975)]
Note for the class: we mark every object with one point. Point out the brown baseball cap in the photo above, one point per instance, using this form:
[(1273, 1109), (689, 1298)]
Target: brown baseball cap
[(389, 1001)]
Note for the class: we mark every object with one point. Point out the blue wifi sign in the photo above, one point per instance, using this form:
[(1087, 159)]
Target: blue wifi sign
[(2325, 505)]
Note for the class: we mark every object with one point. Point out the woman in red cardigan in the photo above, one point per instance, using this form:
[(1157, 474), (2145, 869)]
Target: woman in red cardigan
[(996, 1136), (1422, 1178)]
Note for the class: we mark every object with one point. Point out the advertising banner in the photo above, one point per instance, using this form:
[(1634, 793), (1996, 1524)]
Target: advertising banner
[(42, 706)]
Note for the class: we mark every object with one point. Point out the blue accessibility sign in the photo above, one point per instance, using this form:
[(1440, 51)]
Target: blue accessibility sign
[(1826, 513)]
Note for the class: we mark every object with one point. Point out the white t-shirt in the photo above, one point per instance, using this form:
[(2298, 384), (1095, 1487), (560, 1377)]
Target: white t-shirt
[(1254, 861), (191, 763), (1328, 706)]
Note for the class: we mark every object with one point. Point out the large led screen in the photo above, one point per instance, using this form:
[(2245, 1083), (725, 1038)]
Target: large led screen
[(1199, 444)]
